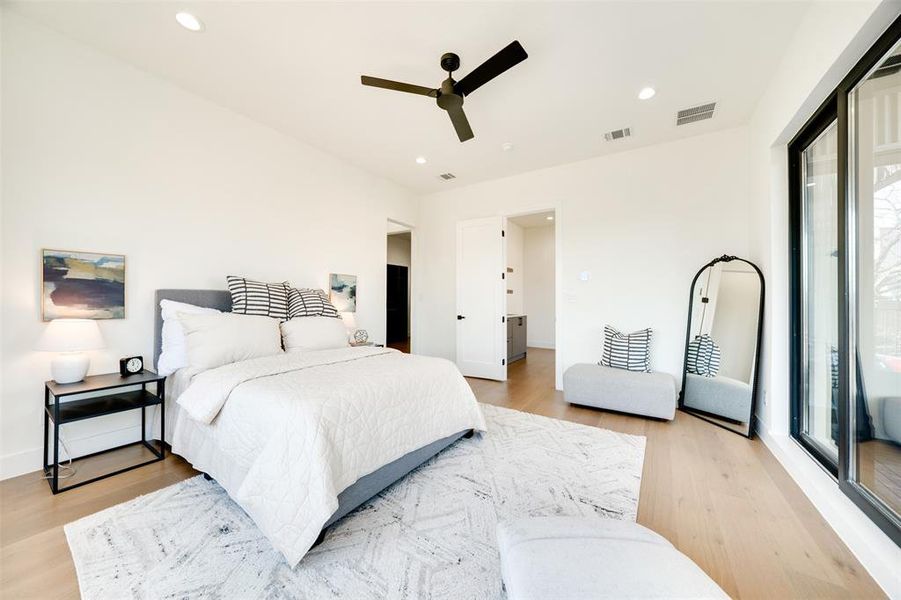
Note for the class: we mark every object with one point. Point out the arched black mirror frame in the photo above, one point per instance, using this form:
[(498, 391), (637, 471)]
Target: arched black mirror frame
[(752, 418)]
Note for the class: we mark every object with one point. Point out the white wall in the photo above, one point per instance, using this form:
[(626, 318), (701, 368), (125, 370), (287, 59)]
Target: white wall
[(641, 222), (830, 40), (539, 297), (100, 156), (515, 280)]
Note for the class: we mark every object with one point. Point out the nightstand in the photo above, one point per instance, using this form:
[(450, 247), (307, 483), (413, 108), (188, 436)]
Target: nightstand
[(114, 400)]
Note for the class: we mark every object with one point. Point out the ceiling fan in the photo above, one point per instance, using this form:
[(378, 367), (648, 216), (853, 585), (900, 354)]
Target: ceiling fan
[(451, 93)]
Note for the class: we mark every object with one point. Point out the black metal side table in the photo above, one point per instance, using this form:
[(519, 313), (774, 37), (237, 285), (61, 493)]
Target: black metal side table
[(115, 401)]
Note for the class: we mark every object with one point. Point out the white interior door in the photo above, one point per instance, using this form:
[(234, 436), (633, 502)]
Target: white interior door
[(481, 298)]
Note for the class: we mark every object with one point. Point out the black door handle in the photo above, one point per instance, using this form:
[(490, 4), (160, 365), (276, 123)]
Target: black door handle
[(460, 317)]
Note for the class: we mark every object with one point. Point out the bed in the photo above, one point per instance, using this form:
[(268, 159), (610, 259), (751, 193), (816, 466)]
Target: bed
[(300, 440)]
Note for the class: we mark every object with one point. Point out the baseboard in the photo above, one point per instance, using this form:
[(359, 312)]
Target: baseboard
[(876, 551), (13, 465), (545, 345), (27, 461)]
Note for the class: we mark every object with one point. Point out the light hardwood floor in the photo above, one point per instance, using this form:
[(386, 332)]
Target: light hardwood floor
[(721, 499)]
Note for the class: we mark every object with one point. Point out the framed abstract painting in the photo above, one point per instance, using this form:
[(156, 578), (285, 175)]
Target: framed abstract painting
[(343, 292), (82, 285)]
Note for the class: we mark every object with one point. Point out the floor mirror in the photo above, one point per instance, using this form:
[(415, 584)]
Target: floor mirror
[(722, 344)]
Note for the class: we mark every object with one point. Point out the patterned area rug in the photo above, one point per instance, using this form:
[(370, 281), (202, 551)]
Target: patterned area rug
[(431, 535)]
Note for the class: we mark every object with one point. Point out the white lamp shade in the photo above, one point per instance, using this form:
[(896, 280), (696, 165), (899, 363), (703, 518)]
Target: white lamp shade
[(350, 321), (71, 335)]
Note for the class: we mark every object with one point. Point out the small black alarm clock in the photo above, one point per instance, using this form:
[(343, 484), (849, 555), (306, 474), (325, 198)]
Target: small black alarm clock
[(131, 365)]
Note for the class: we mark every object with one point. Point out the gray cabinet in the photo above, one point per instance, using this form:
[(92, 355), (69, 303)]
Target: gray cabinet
[(516, 337)]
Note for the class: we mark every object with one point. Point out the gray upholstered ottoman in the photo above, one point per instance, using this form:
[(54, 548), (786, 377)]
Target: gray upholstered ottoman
[(577, 558), (648, 394), (719, 395)]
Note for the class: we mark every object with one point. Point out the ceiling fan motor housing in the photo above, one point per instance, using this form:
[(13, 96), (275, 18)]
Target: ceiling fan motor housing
[(448, 99), (450, 62)]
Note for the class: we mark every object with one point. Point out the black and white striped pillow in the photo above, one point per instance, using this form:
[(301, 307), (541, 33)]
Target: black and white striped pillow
[(627, 351), (251, 297), (833, 365), (703, 356), (305, 302)]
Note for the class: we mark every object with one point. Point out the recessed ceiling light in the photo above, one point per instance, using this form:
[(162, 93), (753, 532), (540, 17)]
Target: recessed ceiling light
[(646, 93), (550, 218), (189, 21), (506, 146), (420, 160)]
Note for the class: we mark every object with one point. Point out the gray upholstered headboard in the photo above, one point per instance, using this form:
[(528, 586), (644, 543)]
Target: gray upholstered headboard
[(218, 299)]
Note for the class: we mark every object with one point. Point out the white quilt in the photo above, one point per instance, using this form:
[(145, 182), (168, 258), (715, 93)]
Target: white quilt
[(285, 434)]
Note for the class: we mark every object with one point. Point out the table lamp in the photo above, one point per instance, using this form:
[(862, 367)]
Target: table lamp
[(358, 336), (70, 338), (350, 321)]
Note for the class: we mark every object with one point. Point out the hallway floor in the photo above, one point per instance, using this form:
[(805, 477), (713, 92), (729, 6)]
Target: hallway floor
[(403, 345)]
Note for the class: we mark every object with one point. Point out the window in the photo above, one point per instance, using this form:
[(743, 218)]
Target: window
[(845, 207), (874, 205), (819, 178)]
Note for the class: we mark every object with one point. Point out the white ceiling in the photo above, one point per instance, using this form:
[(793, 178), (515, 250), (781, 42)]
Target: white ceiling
[(534, 220), (297, 66)]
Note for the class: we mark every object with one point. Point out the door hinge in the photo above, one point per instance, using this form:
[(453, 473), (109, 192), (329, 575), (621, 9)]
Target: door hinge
[(503, 319), (503, 275), (503, 362), (502, 233)]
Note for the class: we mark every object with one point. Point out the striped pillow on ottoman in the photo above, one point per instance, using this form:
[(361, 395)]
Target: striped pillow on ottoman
[(703, 356), (251, 297), (627, 351), (306, 302)]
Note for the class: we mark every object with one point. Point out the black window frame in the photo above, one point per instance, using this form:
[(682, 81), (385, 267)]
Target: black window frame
[(835, 108), (822, 119)]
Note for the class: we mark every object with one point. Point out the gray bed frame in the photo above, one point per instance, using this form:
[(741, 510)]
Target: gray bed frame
[(367, 486)]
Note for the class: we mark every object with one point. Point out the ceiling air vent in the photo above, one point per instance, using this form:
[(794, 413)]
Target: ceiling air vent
[(695, 113), (618, 134), (447, 176)]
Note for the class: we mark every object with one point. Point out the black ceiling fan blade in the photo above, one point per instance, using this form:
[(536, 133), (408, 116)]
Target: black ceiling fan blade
[(507, 58), (461, 124), (398, 86)]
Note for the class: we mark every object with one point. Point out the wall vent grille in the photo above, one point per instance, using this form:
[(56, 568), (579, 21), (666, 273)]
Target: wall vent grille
[(695, 113), (618, 134), (447, 176)]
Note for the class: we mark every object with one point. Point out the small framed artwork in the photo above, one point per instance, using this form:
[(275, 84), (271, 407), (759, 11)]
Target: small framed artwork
[(82, 285), (343, 292)]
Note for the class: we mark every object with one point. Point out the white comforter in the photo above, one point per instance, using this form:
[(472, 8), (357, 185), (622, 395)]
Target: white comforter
[(284, 435)]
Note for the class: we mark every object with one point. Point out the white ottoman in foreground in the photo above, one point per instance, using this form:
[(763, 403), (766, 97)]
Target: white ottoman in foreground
[(577, 558), (638, 393)]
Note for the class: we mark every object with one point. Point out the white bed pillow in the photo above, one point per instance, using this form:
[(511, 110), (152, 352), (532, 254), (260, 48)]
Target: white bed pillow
[(314, 333), (174, 351), (216, 340)]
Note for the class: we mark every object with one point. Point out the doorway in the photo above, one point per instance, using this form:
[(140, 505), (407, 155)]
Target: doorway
[(531, 295), (397, 287), (507, 295)]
